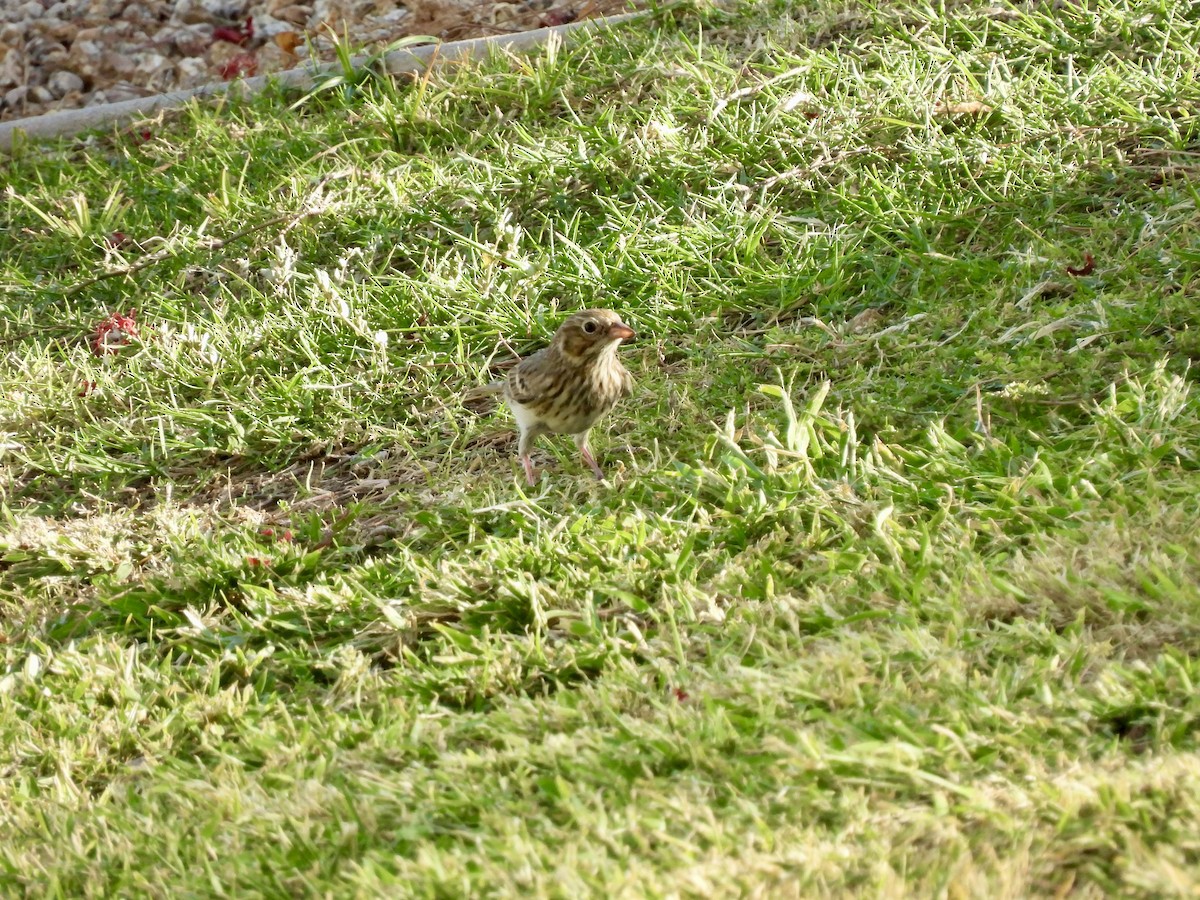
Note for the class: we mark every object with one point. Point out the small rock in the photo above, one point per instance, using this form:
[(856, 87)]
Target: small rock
[(274, 6), (12, 69), (123, 90), (150, 63), (192, 72), (273, 58), (507, 12), (55, 60), (13, 34), (326, 11), (84, 60), (146, 13), (221, 54), (135, 38), (187, 40), (161, 80), (32, 10), (120, 64), (39, 48), (190, 12), (16, 97), (293, 15), (40, 94), (63, 31), (64, 82)]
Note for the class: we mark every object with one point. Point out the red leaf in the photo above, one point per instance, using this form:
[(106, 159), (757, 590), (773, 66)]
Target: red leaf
[(680, 694), (231, 35), (113, 333), (244, 64), (256, 561), (116, 239), (88, 387), (1088, 267), (559, 17), (241, 35)]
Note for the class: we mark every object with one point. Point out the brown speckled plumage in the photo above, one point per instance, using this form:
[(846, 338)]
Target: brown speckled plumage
[(568, 386)]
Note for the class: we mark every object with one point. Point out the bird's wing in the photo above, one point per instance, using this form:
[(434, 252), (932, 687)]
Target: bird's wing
[(531, 379)]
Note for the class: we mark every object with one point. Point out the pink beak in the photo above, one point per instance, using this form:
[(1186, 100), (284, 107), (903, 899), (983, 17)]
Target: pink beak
[(621, 332)]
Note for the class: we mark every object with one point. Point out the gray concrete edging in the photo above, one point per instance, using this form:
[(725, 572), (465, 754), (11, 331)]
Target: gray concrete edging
[(73, 121)]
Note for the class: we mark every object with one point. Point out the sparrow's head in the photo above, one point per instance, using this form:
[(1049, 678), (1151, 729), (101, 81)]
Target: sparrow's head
[(585, 335)]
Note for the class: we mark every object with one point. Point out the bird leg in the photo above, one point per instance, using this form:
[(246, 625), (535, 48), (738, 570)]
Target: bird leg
[(582, 442), (524, 448)]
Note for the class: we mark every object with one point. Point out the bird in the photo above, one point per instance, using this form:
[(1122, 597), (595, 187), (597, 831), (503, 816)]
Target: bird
[(566, 387)]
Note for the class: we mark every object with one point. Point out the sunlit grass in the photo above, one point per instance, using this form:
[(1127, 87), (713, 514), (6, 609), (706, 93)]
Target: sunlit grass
[(892, 588)]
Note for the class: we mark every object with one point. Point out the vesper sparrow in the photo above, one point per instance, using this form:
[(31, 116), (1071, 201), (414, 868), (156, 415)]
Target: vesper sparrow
[(566, 387)]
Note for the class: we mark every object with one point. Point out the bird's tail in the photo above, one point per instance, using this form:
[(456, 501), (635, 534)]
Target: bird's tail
[(484, 390), (479, 397)]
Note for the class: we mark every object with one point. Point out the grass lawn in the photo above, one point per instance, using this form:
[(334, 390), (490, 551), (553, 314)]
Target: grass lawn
[(894, 587)]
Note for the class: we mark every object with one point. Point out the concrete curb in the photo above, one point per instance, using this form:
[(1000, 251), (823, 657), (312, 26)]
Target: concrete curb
[(73, 121)]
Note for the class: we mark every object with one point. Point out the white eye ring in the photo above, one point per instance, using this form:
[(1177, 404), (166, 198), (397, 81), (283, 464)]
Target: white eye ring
[(589, 327)]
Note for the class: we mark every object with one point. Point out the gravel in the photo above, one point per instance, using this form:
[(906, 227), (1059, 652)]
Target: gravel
[(65, 54)]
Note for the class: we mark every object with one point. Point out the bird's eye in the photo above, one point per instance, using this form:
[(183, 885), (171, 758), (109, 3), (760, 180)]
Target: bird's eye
[(589, 327)]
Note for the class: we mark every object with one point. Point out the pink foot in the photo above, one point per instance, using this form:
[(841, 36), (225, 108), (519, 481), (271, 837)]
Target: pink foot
[(591, 461), (530, 475)]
